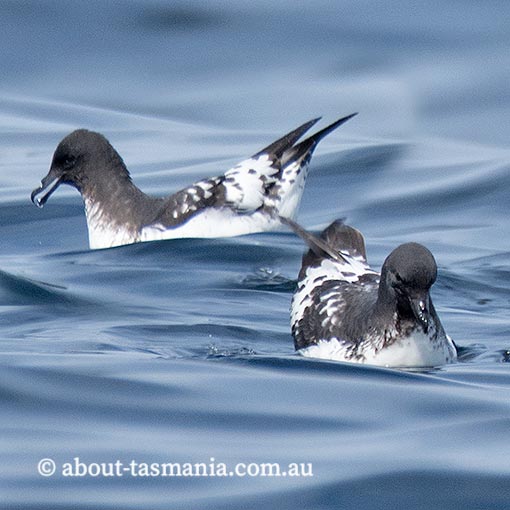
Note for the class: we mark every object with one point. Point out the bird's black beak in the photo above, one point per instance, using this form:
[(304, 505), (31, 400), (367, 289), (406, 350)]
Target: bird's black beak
[(48, 185), (421, 309)]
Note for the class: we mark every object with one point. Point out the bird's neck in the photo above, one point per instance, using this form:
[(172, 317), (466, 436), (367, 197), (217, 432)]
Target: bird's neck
[(114, 208)]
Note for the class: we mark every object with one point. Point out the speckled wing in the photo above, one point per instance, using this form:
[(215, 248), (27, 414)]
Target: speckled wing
[(245, 185), (271, 181), (243, 188), (179, 207), (325, 292), (329, 286), (256, 182)]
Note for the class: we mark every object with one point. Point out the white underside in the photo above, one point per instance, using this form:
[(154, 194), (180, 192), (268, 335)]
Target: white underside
[(410, 352), (209, 223), (213, 223)]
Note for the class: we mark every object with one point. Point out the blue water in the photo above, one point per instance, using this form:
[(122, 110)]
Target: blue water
[(180, 351)]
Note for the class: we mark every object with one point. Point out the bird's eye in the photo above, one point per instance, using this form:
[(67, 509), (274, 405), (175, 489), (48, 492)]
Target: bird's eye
[(398, 283), (69, 161)]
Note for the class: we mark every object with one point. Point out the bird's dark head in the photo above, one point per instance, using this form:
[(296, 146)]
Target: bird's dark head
[(81, 157), (407, 276)]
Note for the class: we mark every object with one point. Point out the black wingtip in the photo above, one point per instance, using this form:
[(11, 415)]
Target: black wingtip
[(286, 142), (316, 244), (317, 137), (307, 146), (279, 146)]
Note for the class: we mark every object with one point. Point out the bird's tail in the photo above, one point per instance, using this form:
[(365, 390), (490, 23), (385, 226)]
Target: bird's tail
[(335, 241), (319, 246)]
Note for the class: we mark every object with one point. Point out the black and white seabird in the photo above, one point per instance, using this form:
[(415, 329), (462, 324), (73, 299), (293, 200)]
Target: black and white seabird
[(248, 198), (343, 310)]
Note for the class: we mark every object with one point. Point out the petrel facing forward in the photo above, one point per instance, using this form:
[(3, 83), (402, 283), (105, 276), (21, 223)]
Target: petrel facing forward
[(248, 198), (343, 310)]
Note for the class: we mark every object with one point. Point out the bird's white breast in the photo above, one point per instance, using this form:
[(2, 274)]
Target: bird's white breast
[(415, 350), (212, 222), (103, 233)]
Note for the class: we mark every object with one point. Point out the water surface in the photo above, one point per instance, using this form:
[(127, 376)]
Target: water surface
[(180, 351)]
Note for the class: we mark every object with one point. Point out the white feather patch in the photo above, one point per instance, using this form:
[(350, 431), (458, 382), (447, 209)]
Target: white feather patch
[(210, 223), (245, 184)]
